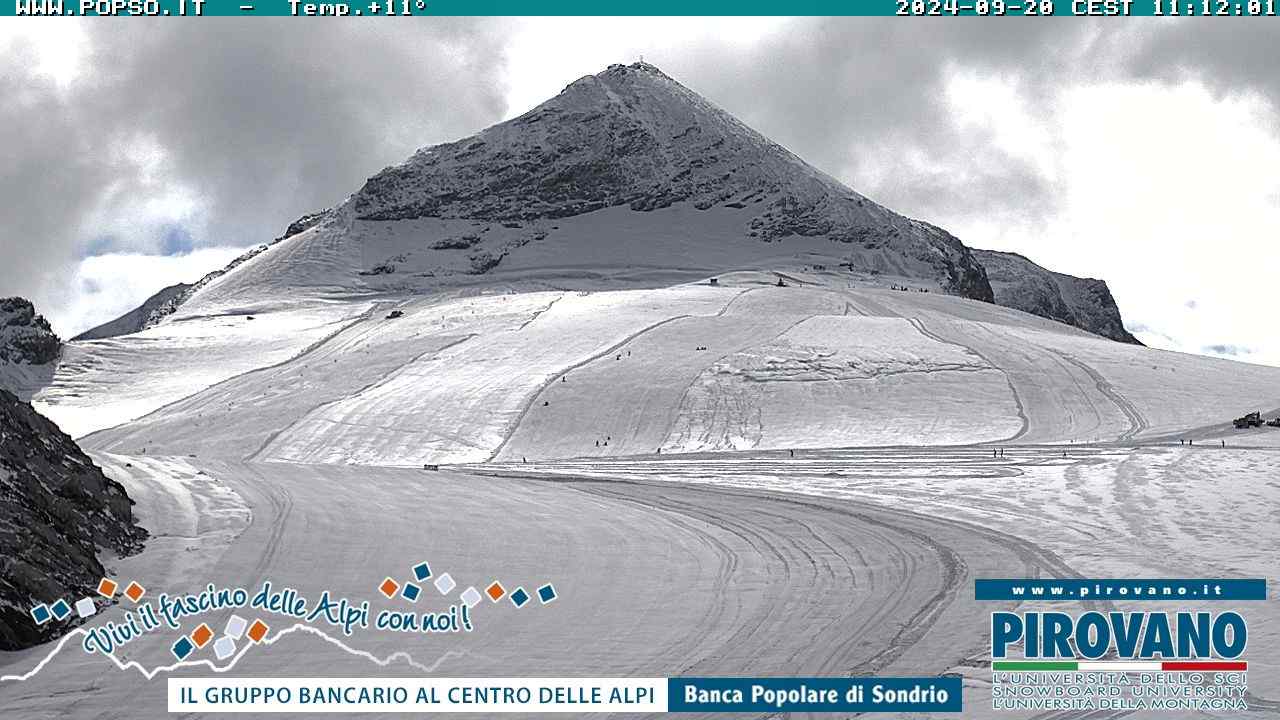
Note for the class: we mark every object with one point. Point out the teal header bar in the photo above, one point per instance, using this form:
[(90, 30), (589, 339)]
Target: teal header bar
[(426, 8)]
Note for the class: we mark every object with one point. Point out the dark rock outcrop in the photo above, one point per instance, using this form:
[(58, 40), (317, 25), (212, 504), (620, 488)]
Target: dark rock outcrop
[(25, 336), (303, 224), (57, 509), (1085, 303)]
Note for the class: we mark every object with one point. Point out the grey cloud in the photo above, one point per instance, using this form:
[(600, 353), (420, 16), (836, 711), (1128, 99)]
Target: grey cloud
[(1229, 55), (1226, 349), (854, 96), (260, 120)]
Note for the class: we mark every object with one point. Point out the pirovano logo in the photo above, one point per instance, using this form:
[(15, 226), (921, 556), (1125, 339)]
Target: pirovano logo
[(1105, 658)]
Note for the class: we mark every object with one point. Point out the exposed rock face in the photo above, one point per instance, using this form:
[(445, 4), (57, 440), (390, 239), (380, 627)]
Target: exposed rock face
[(303, 224), (56, 510), (631, 136), (25, 337), (1085, 303)]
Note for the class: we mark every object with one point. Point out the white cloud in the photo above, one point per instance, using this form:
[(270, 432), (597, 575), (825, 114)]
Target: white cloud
[(1167, 191), (57, 47)]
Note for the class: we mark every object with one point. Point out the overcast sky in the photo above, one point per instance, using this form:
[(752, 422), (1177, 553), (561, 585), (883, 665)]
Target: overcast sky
[(1144, 151)]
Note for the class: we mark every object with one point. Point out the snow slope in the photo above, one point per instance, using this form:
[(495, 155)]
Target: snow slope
[(101, 383), (466, 376)]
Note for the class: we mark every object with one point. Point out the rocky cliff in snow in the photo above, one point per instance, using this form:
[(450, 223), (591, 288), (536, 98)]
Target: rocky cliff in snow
[(25, 336), (57, 511), (1085, 303)]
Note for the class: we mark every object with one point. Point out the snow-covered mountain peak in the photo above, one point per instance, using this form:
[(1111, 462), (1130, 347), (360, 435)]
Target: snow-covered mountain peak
[(625, 179), (631, 137)]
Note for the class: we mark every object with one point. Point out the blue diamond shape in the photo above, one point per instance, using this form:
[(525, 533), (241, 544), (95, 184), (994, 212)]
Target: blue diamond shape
[(40, 613), (546, 593), (411, 592), (182, 648), (519, 597), (421, 571), (61, 609)]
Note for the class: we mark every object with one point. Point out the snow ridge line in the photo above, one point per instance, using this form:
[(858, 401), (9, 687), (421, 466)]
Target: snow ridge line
[(298, 627)]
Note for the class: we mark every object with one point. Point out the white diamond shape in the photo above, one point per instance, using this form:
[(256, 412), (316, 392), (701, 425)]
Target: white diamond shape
[(85, 607), (236, 627), (445, 583), (224, 648), (470, 597)]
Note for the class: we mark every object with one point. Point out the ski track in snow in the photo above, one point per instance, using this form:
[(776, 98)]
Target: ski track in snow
[(1137, 423), (1017, 399)]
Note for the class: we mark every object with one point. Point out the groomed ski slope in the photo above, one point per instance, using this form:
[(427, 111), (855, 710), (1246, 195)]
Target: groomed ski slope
[(468, 376)]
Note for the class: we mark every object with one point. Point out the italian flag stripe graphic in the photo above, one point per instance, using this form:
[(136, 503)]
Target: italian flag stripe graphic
[(1120, 665)]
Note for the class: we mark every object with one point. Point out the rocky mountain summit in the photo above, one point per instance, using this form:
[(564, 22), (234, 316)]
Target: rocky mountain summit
[(56, 510), (1085, 303), (631, 136)]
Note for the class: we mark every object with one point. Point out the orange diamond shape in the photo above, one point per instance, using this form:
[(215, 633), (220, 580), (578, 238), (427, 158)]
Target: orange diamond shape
[(389, 588), (495, 591), (135, 591), (107, 588), (257, 631), (201, 635)]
